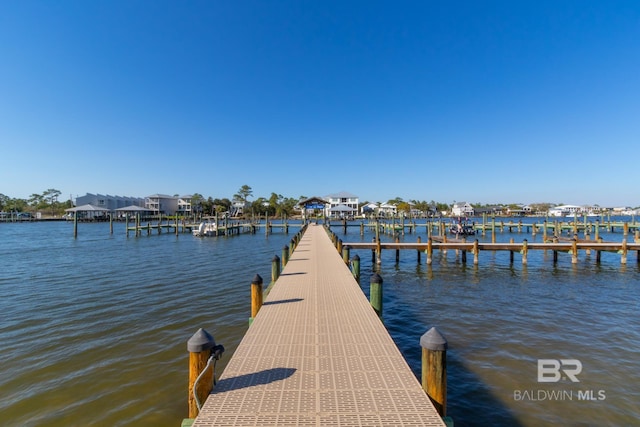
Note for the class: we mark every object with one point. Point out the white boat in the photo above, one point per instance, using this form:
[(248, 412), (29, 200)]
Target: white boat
[(205, 228)]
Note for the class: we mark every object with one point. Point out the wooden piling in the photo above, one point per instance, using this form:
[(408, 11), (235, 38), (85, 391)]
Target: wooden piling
[(493, 229), (476, 252), (346, 249), (355, 267), (434, 369), (511, 252), (418, 253), (256, 295), (525, 251), (397, 250), (375, 293), (199, 347), (75, 224), (275, 268), (429, 251), (285, 256)]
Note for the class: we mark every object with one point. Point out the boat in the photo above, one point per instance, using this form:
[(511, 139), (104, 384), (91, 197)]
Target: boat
[(462, 229), (206, 228)]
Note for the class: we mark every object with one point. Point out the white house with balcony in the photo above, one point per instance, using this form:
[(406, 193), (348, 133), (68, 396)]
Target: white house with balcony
[(341, 205), (462, 209), (168, 205)]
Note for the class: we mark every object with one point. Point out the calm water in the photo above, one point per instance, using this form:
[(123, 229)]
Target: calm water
[(93, 330)]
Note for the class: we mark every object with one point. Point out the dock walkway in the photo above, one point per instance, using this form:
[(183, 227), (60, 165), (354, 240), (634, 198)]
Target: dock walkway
[(317, 355)]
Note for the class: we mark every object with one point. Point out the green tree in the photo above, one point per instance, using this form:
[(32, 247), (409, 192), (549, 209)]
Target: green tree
[(197, 200), (3, 201), (244, 193), (51, 197)]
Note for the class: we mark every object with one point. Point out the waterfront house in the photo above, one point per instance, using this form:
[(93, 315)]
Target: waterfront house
[(341, 205), (462, 209), (107, 202), (387, 210), (168, 205), (565, 210)]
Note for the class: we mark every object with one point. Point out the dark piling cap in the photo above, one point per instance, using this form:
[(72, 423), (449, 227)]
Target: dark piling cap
[(276, 258), (356, 258), (257, 280), (433, 340), (200, 341), (375, 278)]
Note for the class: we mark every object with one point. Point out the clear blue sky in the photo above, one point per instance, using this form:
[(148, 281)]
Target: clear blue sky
[(483, 101)]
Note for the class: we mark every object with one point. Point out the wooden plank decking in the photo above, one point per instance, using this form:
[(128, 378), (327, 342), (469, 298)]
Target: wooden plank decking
[(317, 355)]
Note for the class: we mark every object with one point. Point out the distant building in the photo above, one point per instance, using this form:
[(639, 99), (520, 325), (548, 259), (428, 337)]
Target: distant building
[(341, 205), (107, 202), (369, 208), (237, 207), (168, 205), (462, 209), (387, 209), (565, 210)]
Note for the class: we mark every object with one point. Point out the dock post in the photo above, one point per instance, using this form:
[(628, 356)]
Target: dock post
[(434, 369), (362, 228), (75, 224), (555, 251), (623, 251), (476, 252), (285, 256), (275, 268), (339, 246), (429, 251), (126, 224), (378, 251), (625, 230), (373, 253), (110, 223), (418, 253), (511, 252), (375, 293), (574, 251), (464, 251), (598, 256), (346, 249), (484, 222), (199, 347), (355, 267), (397, 250), (493, 229), (256, 296), (524, 251)]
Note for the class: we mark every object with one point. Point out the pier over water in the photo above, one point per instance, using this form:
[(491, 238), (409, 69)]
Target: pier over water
[(317, 354)]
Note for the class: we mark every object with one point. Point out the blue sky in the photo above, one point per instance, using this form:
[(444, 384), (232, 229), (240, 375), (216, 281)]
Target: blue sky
[(483, 101)]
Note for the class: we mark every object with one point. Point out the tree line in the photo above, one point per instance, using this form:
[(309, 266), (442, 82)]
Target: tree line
[(47, 202), (275, 205)]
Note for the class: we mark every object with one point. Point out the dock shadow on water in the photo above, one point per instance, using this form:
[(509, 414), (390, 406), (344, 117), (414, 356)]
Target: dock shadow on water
[(266, 376)]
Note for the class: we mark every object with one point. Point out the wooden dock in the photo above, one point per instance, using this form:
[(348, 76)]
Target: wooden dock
[(317, 354)]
